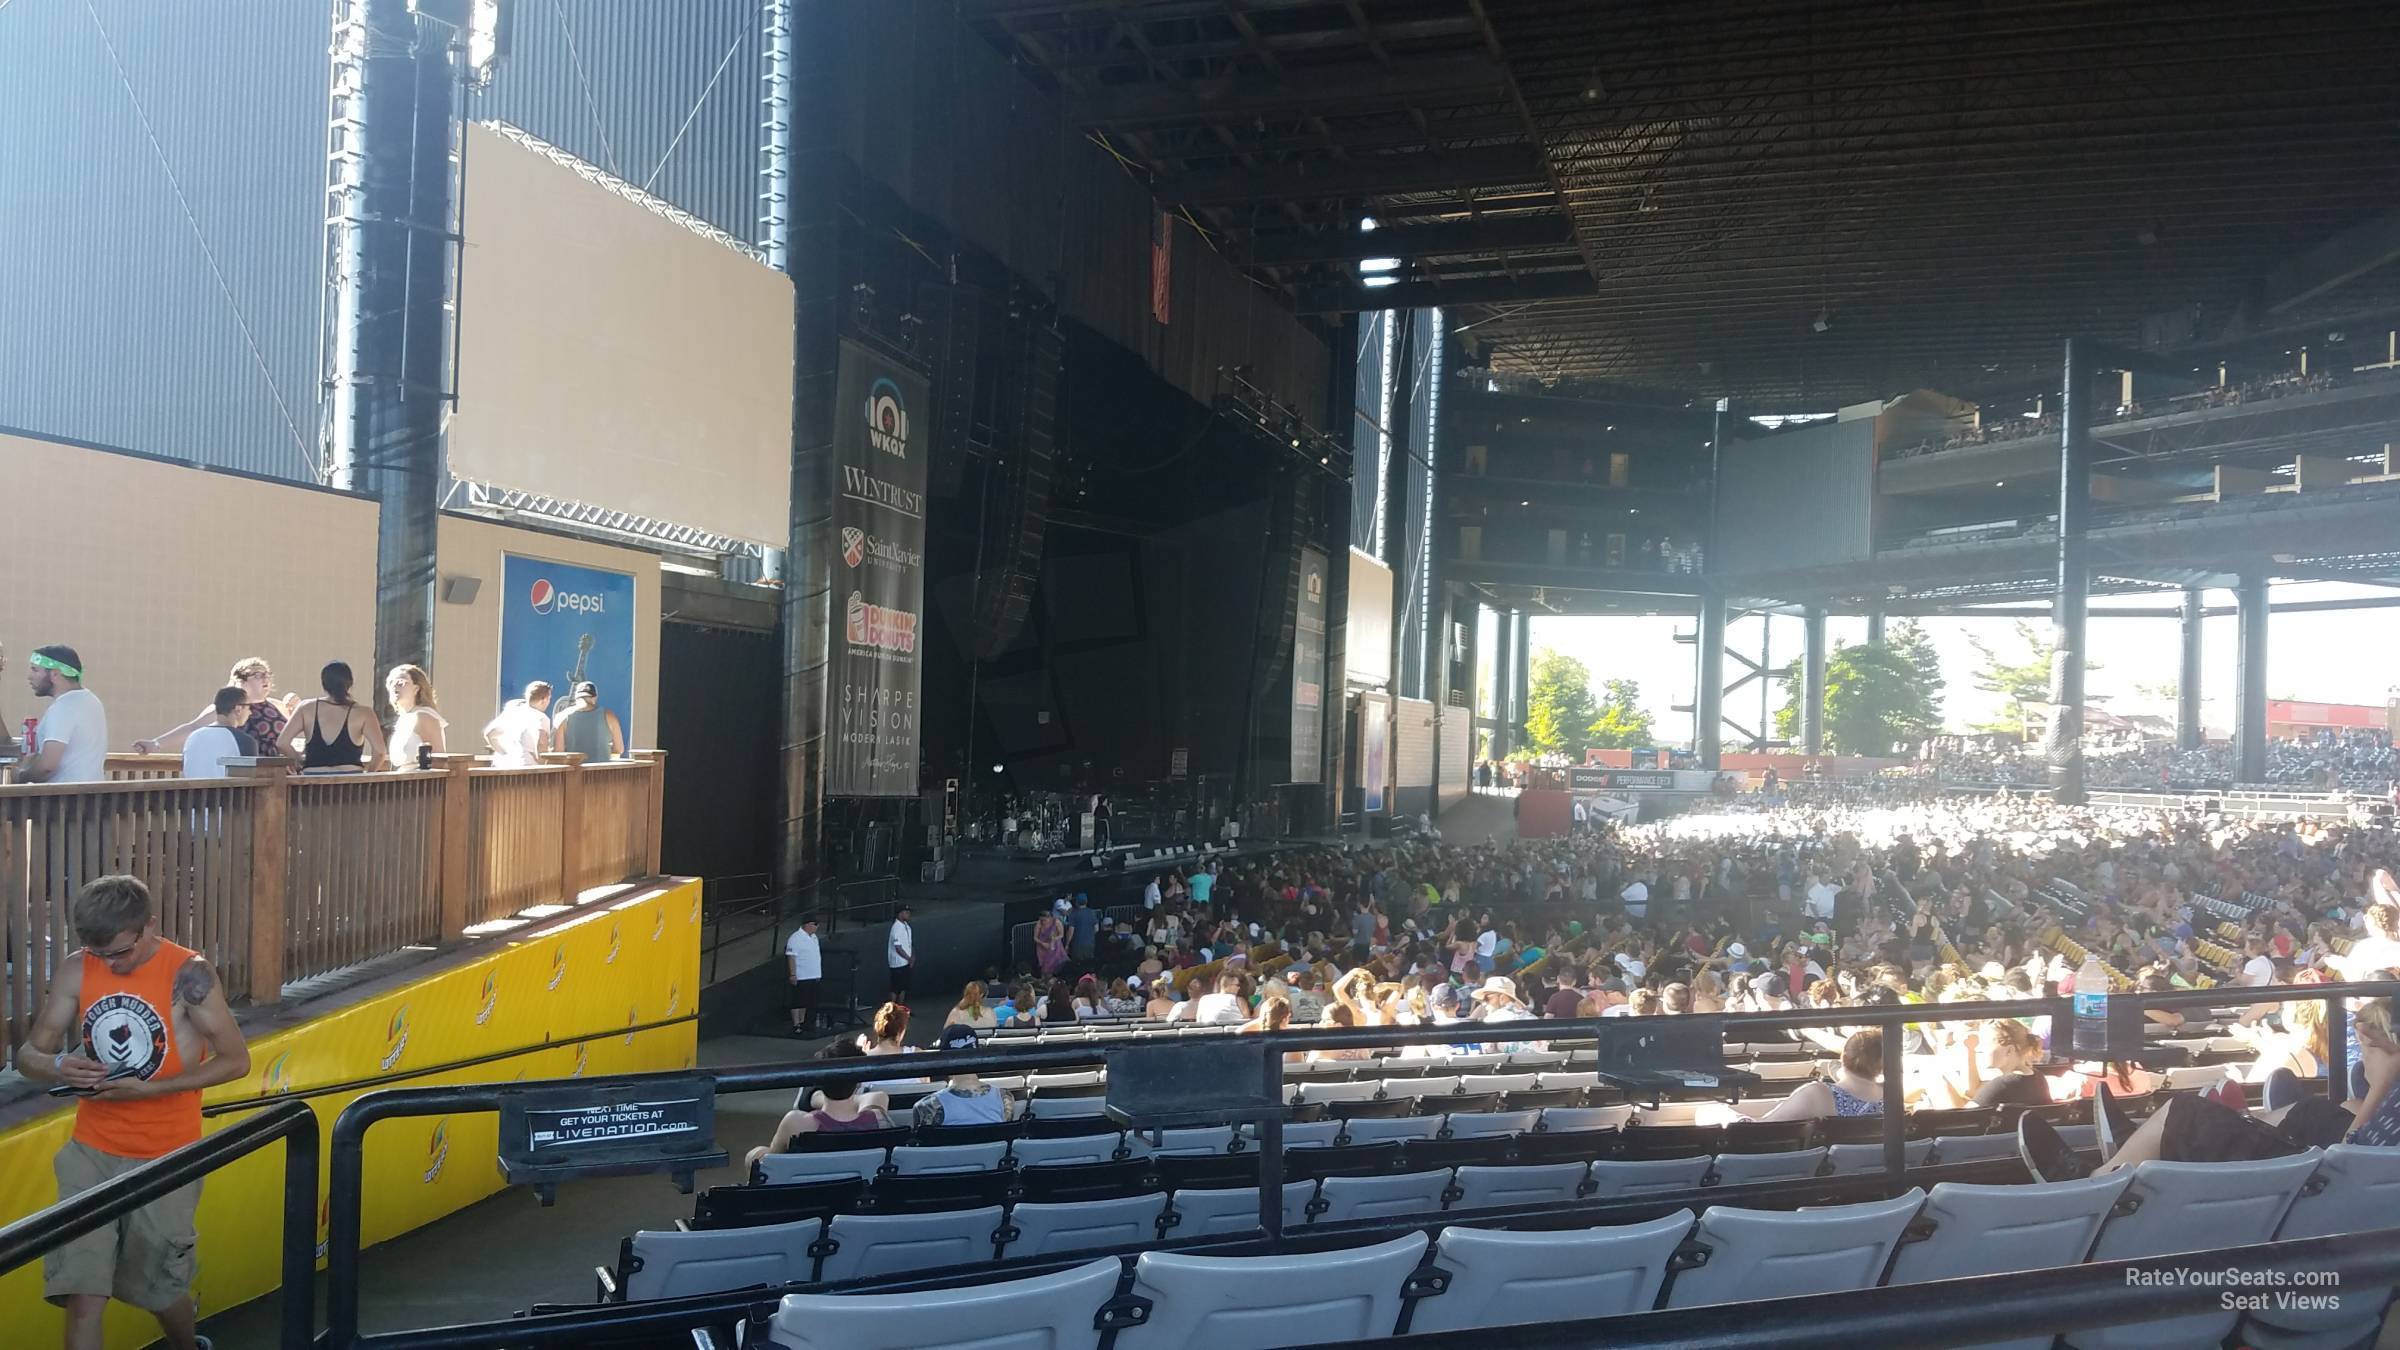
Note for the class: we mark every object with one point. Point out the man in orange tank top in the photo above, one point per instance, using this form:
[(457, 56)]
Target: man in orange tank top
[(138, 1026)]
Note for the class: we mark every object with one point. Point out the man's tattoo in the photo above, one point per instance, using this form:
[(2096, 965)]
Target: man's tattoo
[(195, 981)]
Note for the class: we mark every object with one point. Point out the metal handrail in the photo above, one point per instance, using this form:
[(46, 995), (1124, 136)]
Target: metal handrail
[(295, 1123), (346, 1178)]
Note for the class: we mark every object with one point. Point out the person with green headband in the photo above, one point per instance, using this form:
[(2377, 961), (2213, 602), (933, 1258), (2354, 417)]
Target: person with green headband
[(71, 744)]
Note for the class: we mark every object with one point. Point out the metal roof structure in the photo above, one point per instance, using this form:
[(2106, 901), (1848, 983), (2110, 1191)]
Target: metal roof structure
[(1797, 205)]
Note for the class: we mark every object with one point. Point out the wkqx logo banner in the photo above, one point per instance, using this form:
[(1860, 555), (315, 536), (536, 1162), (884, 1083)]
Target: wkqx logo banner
[(879, 531), (563, 624)]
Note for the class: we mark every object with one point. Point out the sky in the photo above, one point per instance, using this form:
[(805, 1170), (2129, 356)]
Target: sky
[(2330, 656)]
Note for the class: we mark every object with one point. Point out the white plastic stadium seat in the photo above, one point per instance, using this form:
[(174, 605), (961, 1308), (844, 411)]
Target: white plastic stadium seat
[(1536, 1059), (892, 1244), (1992, 1230), (1437, 1085), (1783, 1070), (1336, 1092), (1069, 1078), (1066, 1108), (1080, 1148), (1757, 1253), (1212, 1212), (1963, 1148), (1475, 1083), (1495, 1187), (1048, 1312), (1559, 1078), (1585, 1117), (1394, 1127), (1405, 1194), (1741, 1169), (1476, 1061), (1260, 1302), (1671, 1113), (2356, 1189), (1080, 1225), (784, 1168), (1489, 1124), (1500, 1278), (916, 1160), (1614, 1179), (1198, 1140), (1851, 1159), (1298, 1134), (675, 1263), (2184, 1207), (2185, 1077)]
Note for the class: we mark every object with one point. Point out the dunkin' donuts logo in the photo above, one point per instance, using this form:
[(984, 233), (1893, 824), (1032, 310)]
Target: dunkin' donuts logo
[(879, 629)]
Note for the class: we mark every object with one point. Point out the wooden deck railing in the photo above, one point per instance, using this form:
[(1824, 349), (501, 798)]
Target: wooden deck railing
[(280, 877)]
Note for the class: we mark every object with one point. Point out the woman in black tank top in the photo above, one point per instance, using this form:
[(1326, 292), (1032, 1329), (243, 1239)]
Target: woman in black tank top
[(355, 736)]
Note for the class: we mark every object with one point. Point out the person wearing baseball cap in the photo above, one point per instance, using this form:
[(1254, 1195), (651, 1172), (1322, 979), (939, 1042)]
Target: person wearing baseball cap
[(966, 1099)]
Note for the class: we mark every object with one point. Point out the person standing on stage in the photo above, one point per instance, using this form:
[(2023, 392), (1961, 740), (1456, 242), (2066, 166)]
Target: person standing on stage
[(900, 953)]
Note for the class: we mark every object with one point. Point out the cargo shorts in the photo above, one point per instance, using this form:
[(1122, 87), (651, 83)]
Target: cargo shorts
[(146, 1258)]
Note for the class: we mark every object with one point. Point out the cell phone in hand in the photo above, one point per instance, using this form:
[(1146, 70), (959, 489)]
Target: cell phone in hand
[(70, 1090)]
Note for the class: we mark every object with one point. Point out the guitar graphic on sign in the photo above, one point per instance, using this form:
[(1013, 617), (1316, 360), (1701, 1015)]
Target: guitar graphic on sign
[(583, 656)]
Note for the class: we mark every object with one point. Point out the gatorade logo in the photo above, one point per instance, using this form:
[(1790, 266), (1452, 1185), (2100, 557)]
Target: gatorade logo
[(546, 597)]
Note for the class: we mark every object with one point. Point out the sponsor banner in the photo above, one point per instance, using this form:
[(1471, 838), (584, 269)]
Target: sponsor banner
[(1308, 671), (563, 623), (879, 446), (498, 1018), (1586, 778), (1374, 751)]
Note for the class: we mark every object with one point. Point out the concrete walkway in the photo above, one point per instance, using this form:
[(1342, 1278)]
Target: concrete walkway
[(1479, 817), (505, 1253)]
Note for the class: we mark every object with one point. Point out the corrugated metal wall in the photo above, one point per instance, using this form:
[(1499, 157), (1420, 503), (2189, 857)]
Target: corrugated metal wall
[(163, 295), (663, 95), (1823, 474)]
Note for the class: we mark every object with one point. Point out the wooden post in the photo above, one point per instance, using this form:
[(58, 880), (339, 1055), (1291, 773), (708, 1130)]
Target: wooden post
[(270, 877), (571, 851), (453, 884), (655, 776)]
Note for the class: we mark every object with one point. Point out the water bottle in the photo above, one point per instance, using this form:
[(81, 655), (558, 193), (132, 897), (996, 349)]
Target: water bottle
[(2091, 1009)]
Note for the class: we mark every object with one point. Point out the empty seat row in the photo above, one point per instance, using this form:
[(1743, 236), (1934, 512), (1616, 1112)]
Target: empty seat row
[(1466, 1279)]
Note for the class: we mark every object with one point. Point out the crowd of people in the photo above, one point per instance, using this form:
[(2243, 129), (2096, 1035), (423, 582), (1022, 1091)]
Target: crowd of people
[(331, 732), (2350, 760), (1753, 906)]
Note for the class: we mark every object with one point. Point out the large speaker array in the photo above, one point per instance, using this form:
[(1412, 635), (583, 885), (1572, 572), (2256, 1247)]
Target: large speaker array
[(1017, 512), (955, 315), (1295, 510)]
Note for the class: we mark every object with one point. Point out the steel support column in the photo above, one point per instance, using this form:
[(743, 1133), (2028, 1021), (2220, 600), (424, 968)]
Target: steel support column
[(812, 256), (1504, 683), (2250, 681), (1812, 683), (393, 188), (1875, 624), (2064, 740), (1524, 676), (1708, 713), (2188, 732)]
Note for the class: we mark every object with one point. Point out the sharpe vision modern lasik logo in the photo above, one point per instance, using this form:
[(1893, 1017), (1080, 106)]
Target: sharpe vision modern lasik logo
[(546, 597), (887, 419)]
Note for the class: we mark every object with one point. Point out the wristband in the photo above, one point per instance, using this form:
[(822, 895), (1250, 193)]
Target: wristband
[(58, 1062)]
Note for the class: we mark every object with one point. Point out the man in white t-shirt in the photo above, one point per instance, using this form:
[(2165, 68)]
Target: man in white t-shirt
[(900, 953), (73, 735), (519, 735), (1150, 895), (206, 750), (1822, 895), (806, 959), (1636, 896), (1224, 1006)]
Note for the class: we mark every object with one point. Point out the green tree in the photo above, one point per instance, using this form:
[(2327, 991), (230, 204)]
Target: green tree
[(2020, 676), (1878, 695), (1559, 708), (1621, 723)]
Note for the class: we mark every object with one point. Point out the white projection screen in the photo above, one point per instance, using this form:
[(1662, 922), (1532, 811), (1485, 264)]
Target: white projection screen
[(610, 355), (1367, 644)]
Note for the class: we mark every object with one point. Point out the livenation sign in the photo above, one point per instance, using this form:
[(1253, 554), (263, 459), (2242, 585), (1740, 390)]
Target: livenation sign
[(1586, 778), (550, 1135), (879, 449)]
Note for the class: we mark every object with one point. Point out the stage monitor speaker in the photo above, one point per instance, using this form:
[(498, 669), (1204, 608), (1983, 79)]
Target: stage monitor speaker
[(956, 316)]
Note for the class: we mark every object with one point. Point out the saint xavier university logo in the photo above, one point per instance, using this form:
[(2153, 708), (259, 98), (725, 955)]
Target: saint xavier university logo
[(123, 1032)]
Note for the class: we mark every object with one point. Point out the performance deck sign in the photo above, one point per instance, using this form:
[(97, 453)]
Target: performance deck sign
[(1589, 778), (550, 1135), (879, 449), (566, 624), (1308, 670)]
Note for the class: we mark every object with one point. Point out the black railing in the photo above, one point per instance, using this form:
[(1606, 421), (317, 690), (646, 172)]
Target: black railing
[(684, 1315), (295, 1123)]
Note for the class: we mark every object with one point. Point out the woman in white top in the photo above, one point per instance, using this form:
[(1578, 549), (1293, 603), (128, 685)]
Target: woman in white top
[(419, 724)]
